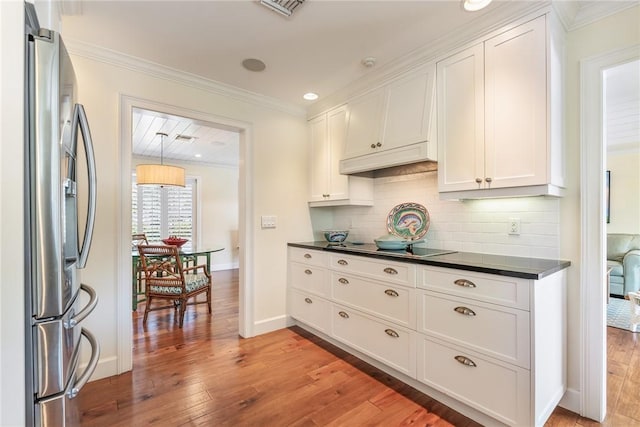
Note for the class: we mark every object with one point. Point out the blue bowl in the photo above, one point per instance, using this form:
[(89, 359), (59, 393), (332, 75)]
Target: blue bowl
[(335, 236)]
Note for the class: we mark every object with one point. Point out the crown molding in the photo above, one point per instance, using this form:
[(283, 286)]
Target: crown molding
[(592, 11), (132, 63)]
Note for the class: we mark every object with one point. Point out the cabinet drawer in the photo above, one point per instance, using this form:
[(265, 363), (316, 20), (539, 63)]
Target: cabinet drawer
[(391, 344), (310, 309), (503, 290), (387, 271), (390, 302), (495, 388), (308, 278), (308, 256), (494, 330)]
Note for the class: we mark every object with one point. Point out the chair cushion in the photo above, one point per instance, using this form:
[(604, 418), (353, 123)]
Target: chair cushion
[(616, 268), (193, 282)]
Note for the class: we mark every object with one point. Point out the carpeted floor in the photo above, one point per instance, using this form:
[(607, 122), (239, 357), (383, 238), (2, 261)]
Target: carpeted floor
[(619, 313)]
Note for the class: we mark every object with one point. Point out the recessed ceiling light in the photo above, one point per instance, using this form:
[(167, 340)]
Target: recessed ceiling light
[(310, 96), (253, 64), (198, 155), (474, 5)]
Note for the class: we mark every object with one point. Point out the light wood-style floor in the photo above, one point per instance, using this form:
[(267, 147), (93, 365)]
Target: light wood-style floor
[(206, 375)]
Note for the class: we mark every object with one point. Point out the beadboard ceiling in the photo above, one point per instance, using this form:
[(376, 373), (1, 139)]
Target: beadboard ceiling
[(319, 48), (622, 107)]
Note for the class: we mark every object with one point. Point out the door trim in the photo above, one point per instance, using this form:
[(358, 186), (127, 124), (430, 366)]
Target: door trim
[(593, 360), (123, 226)]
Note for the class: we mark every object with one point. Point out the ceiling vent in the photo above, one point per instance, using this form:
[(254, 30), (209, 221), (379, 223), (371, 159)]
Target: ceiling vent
[(284, 7), (184, 138)]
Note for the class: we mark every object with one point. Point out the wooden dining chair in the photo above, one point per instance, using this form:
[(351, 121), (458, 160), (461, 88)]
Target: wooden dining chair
[(167, 280), (138, 291)]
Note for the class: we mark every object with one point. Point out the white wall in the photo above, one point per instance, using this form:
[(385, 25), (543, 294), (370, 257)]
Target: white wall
[(217, 209), (12, 373), (609, 34), (278, 179), (470, 225), (625, 191)]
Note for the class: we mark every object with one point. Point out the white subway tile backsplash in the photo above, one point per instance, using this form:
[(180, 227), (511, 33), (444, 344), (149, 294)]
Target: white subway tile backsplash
[(470, 225)]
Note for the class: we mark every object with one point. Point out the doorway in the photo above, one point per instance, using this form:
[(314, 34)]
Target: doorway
[(593, 231), (244, 205)]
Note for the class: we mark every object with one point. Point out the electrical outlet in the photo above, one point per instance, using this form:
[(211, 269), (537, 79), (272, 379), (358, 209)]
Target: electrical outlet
[(514, 226), (268, 221)]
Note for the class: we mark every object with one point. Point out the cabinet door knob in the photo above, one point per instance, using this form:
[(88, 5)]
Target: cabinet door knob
[(464, 310), (391, 333), (465, 361), (379, 144), (308, 301), (343, 281), (465, 283), (488, 179), (307, 256), (479, 180), (390, 270), (391, 293), (342, 262), (307, 271), (343, 314), (373, 145)]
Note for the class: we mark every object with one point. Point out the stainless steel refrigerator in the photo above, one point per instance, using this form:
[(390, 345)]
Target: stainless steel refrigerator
[(53, 254)]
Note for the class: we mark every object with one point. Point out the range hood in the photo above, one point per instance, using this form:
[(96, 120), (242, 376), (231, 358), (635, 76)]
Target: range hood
[(408, 169)]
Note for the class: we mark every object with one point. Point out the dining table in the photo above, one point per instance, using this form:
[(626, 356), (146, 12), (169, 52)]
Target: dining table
[(188, 256)]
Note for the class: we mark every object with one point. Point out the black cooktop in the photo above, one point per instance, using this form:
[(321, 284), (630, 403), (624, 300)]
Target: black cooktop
[(412, 251)]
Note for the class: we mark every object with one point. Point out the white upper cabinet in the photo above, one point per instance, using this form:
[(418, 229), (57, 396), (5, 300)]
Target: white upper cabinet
[(494, 104), (391, 125), (328, 186)]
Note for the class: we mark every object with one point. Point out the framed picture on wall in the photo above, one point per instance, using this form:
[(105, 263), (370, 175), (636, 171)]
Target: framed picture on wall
[(607, 195)]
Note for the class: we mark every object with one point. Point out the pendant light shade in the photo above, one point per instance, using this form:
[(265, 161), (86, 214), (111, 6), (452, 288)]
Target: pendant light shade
[(160, 174)]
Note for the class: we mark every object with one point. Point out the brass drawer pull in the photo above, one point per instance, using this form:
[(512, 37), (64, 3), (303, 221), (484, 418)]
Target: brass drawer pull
[(343, 281), (391, 293), (465, 283), (308, 256), (342, 262), (464, 310), (391, 333), (308, 301), (343, 314), (465, 361), (390, 270), (307, 271)]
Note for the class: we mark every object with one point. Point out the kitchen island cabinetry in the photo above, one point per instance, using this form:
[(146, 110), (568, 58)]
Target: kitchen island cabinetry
[(391, 125), (495, 115), (492, 346), (328, 186)]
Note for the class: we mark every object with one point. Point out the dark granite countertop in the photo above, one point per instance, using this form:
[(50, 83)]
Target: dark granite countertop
[(522, 267)]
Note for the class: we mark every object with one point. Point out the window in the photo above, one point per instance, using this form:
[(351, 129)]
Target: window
[(160, 212)]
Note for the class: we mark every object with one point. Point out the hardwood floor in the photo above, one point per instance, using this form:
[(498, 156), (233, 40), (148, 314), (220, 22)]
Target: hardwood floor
[(204, 374)]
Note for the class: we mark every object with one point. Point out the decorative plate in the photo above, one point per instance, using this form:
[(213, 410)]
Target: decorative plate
[(408, 220)]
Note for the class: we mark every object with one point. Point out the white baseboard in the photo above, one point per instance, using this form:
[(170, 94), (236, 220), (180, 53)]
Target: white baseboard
[(107, 367), (227, 266), (269, 325), (571, 400)]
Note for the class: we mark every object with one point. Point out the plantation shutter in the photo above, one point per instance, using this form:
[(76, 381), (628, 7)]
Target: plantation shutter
[(160, 212)]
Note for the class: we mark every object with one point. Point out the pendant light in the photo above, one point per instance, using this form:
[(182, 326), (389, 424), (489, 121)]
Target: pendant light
[(160, 174)]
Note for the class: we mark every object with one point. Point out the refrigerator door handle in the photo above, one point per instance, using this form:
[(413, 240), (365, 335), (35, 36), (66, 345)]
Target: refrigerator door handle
[(80, 121), (93, 301), (91, 366)]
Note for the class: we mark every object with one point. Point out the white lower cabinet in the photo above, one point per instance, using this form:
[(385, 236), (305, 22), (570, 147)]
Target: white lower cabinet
[(496, 388), (489, 343), (389, 343), (310, 309), (496, 331)]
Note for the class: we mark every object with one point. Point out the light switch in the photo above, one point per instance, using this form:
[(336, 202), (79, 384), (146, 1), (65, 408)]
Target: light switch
[(268, 221)]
